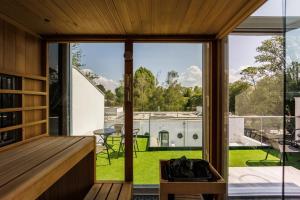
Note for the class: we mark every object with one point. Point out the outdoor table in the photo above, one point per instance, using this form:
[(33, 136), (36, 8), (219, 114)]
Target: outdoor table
[(103, 134)]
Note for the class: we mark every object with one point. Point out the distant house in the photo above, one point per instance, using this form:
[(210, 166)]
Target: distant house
[(87, 105)]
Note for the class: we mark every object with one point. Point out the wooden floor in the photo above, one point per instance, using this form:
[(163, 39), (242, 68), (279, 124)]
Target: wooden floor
[(110, 191)]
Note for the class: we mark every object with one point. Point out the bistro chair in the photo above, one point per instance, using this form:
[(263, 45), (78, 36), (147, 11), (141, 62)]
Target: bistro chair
[(135, 142)]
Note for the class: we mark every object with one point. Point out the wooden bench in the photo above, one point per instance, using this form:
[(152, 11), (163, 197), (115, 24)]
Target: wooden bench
[(110, 191), (48, 168)]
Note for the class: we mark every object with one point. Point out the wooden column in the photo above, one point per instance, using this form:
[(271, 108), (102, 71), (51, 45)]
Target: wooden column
[(44, 61), (128, 110), (218, 109)]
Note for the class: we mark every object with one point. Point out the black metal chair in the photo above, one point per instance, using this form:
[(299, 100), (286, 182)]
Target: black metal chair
[(135, 142), (102, 147)]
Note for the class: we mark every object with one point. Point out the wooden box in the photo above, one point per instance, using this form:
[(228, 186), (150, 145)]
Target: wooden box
[(218, 188)]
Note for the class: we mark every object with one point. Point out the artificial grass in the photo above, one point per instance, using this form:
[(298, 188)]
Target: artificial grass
[(146, 164)]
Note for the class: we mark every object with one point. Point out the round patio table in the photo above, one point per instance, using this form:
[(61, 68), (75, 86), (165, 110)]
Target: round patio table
[(103, 134)]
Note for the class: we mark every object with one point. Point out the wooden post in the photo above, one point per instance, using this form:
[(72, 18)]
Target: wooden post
[(128, 110), (218, 137), (44, 61)]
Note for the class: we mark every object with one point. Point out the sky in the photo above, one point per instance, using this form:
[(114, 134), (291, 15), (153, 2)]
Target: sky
[(106, 59)]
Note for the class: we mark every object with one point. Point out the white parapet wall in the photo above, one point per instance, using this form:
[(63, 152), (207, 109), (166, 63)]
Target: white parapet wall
[(87, 105)]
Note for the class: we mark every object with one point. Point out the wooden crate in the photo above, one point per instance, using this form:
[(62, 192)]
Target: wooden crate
[(217, 188)]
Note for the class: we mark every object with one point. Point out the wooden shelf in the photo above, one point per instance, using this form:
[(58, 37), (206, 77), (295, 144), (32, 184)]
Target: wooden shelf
[(9, 128), (34, 77), (22, 109), (22, 92)]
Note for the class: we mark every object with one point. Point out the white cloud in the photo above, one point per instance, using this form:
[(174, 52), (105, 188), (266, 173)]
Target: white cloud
[(108, 84), (191, 77), (234, 75)]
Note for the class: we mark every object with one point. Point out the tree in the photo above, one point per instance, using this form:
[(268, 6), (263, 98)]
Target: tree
[(271, 56), (235, 89), (172, 77), (156, 100), (76, 55), (262, 92), (101, 87), (120, 94), (110, 99), (251, 74), (265, 99), (143, 87), (174, 99)]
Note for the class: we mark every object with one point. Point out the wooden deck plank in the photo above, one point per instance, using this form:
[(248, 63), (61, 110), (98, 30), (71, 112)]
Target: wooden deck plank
[(114, 192), (36, 180), (126, 191), (93, 192), (104, 191), (20, 152), (17, 167), (17, 150)]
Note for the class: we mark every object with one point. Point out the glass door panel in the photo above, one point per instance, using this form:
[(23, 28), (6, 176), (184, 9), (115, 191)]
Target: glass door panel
[(167, 94), (292, 99), (97, 103)]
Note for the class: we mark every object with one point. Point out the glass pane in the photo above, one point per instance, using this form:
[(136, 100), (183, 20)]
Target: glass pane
[(97, 103), (167, 97), (292, 100), (255, 115), (55, 90)]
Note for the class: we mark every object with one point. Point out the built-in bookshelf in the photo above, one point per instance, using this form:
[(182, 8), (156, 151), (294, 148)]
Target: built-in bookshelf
[(22, 107)]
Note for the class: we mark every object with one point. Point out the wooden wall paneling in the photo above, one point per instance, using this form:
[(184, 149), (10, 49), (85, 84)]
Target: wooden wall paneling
[(9, 47), (20, 55), (20, 51)]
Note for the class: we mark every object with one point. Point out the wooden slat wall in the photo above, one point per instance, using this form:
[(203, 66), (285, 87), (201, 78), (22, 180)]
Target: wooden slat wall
[(20, 55)]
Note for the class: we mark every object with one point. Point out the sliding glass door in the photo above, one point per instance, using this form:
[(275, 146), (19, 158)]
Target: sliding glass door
[(292, 99), (168, 101)]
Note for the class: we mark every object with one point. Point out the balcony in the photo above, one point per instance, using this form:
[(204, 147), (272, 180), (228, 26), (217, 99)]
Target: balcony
[(250, 173)]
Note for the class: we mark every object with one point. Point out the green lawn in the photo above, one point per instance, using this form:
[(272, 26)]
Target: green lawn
[(147, 162)]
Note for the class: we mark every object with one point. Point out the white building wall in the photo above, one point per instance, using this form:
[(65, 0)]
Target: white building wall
[(297, 118), (87, 105)]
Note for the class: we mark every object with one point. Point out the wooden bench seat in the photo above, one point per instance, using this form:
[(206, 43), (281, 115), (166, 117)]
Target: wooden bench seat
[(40, 168), (110, 191)]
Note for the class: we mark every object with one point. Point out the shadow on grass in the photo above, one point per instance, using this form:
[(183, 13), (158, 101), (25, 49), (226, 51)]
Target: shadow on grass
[(293, 160), (258, 163)]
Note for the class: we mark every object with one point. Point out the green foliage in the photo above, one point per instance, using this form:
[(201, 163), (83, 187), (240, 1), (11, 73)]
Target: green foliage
[(271, 56), (174, 99), (156, 100), (143, 87), (235, 89), (251, 74), (110, 99), (101, 87), (76, 55), (265, 99), (260, 90), (120, 95), (148, 96)]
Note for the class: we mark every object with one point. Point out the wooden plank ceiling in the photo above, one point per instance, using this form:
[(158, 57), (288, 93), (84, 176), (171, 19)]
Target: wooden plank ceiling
[(124, 17)]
